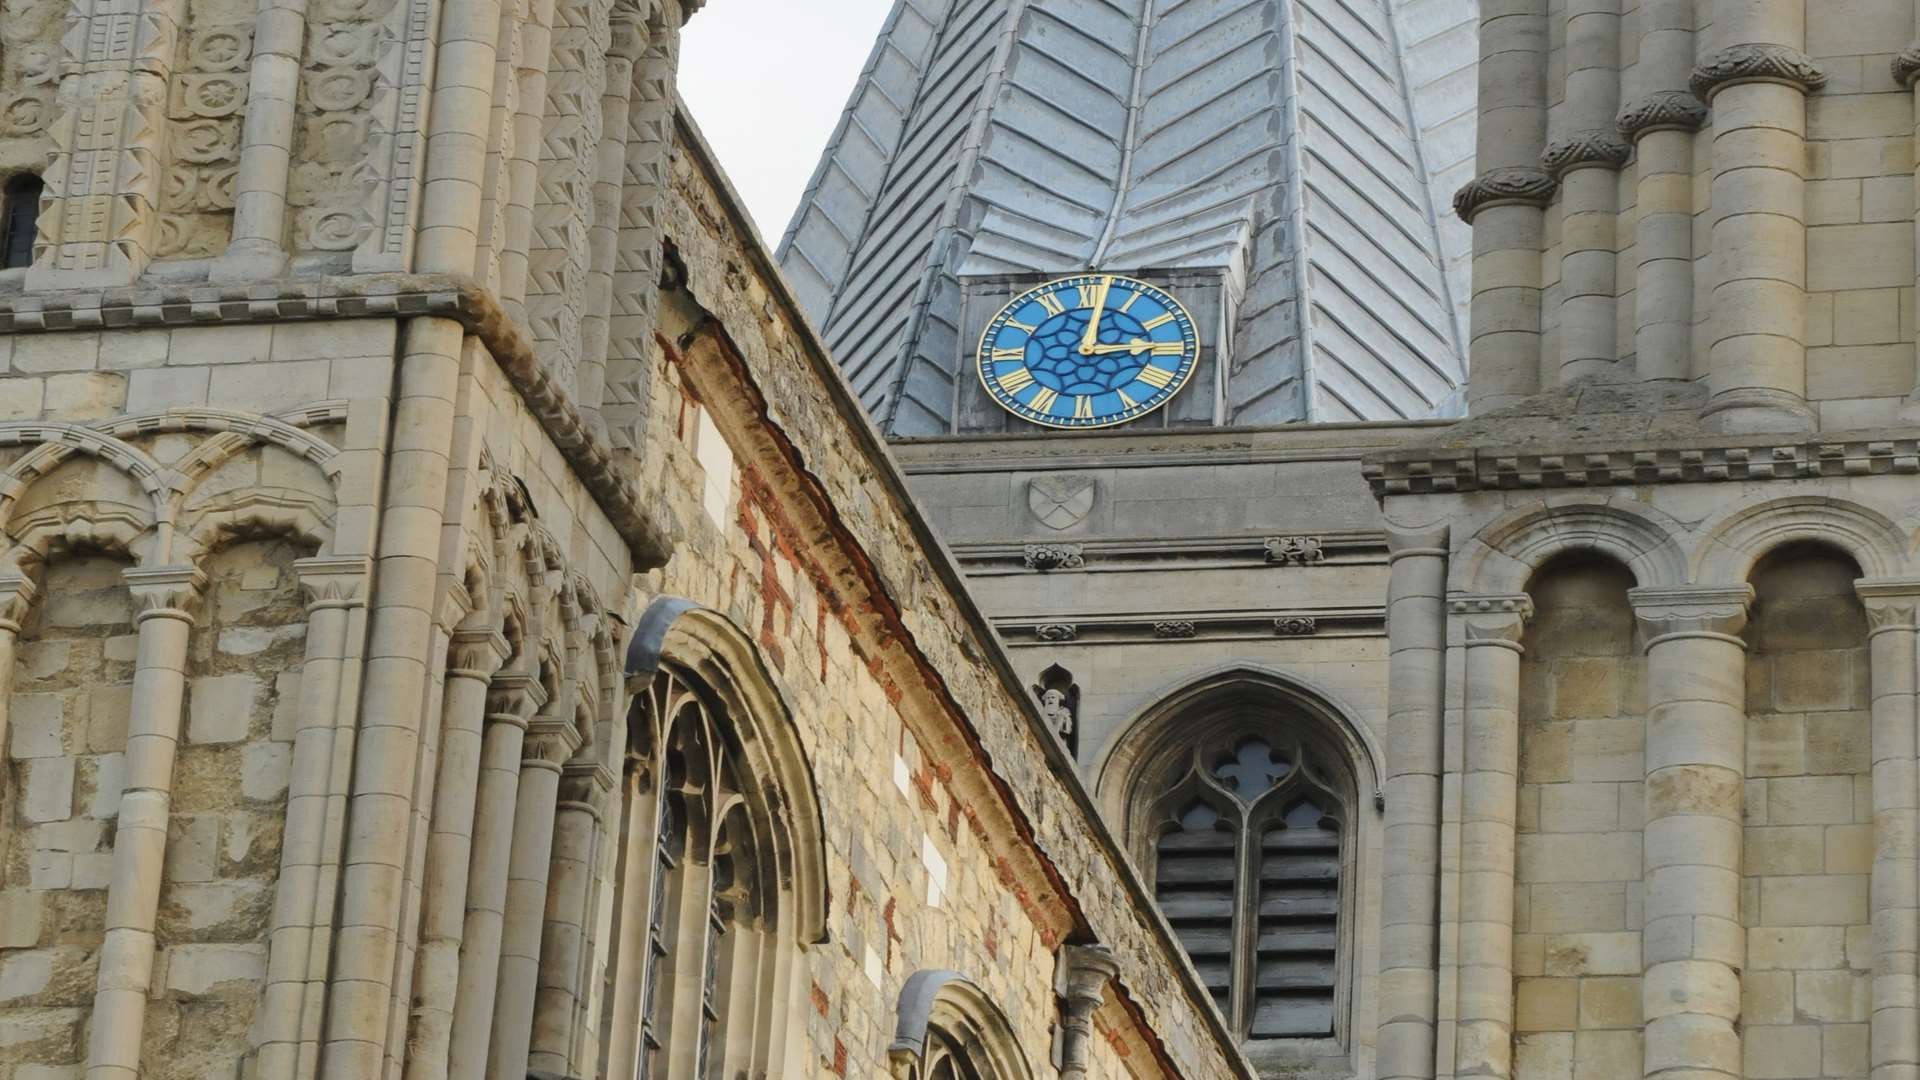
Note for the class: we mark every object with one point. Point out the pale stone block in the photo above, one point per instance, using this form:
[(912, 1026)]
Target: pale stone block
[(1600, 857), (48, 870), (126, 350), (1608, 749), (1544, 1055), (1839, 743), (1796, 948), (1810, 800), (1849, 849), (1782, 1053), (1833, 202), (1576, 907), (251, 640), (1593, 954), (1845, 1049), (47, 791), (40, 354), (333, 338), (223, 344), (24, 974), (202, 970), (122, 648), (1813, 901), (40, 728), (1606, 1055), (91, 395), (162, 388), (1857, 371), (192, 847), (1776, 745), (220, 708), (1799, 849), (109, 776), (1859, 116), (1859, 256), (1859, 947), (1546, 1004), (1833, 996), (1766, 997), (1573, 808), (1610, 1003), (1886, 198), (41, 659), (93, 871), (271, 387), (265, 770), (108, 708), (20, 918), (21, 399), (286, 705)]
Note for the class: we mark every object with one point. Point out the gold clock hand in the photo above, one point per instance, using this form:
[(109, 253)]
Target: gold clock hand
[(1136, 345), (1092, 336)]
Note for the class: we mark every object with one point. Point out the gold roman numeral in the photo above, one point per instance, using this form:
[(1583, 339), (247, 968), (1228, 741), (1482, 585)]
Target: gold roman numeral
[(1162, 319), (1169, 348), (1051, 302), (1158, 378), (1126, 401), (1016, 380), (1018, 352), (1083, 407), (1131, 300), (1020, 326), (1043, 401)]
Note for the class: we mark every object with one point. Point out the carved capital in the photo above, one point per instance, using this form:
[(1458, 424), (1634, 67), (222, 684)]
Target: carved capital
[(1431, 541), (550, 742), (1906, 66), (18, 594), (1492, 620), (1691, 611), (1594, 148), (333, 581), (166, 592), (1891, 603), (477, 653), (1517, 186), (514, 697), (1081, 974), (1662, 110), (1739, 64)]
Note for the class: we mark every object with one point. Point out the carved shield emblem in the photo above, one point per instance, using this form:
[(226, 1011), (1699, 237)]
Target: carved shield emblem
[(1060, 501)]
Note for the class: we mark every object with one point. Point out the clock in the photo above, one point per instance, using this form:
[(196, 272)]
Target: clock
[(1088, 351)]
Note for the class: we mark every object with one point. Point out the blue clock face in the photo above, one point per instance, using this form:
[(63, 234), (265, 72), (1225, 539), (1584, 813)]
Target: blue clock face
[(1088, 352)]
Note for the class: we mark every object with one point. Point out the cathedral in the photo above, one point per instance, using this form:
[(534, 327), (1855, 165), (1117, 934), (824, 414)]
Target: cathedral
[(1228, 539)]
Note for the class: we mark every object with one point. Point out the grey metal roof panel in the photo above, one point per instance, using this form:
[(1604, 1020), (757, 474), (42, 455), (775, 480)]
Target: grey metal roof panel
[(1302, 150)]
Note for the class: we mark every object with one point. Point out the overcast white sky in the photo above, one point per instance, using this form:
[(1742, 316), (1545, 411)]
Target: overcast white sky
[(766, 80)]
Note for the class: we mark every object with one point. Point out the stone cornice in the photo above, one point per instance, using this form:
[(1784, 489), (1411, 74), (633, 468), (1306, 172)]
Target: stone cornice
[(1739, 64), (1595, 148), (1451, 469), (1906, 66), (1663, 110), (358, 296), (1516, 186)]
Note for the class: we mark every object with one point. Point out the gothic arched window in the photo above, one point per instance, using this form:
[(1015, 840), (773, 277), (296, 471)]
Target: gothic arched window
[(718, 869), (948, 1029), (1247, 870)]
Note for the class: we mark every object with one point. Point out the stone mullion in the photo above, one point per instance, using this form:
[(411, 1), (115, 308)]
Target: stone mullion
[(17, 596), (1489, 795), (634, 869), (394, 696), (1757, 86), (550, 741), (335, 590), (266, 145), (1245, 964), (511, 702), (1693, 943), (564, 941), (164, 599), (1506, 204), (1906, 72), (1586, 162), (1409, 904), (477, 655), (689, 894), (1661, 123), (1894, 637)]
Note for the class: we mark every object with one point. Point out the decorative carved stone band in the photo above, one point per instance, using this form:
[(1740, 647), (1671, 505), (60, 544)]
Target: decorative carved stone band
[(1478, 470), (1295, 625), (1756, 63), (1906, 66), (1056, 631), (1175, 628), (1518, 186), (1054, 557), (1295, 550), (1664, 110), (1595, 148)]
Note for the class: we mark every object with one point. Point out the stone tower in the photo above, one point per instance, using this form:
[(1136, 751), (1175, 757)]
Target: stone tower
[(1285, 165)]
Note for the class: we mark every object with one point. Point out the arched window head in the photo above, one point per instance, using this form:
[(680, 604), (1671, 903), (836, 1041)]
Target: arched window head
[(19, 217), (946, 1028), (720, 880), (1240, 798)]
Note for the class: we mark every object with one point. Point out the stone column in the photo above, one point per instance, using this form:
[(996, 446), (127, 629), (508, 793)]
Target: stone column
[(523, 165), (477, 655), (513, 699), (164, 600), (564, 949), (335, 589), (1080, 977), (1489, 795), (550, 742), (17, 596), (1661, 122), (627, 41), (1585, 162), (1693, 944), (456, 143), (1506, 204), (1893, 612), (1906, 73), (1757, 85), (393, 700), (1409, 906), (256, 251)]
